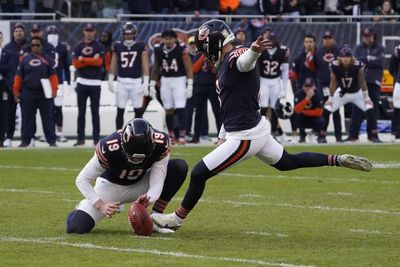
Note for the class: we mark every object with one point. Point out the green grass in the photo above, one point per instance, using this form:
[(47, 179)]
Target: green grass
[(250, 215)]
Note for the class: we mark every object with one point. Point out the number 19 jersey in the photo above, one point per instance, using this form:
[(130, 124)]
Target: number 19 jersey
[(118, 171), (129, 59)]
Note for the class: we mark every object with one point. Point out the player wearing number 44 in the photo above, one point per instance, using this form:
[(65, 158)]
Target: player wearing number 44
[(130, 164), (172, 60), (130, 60)]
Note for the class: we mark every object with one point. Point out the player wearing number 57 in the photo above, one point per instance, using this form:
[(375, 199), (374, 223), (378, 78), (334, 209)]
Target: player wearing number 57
[(132, 163)]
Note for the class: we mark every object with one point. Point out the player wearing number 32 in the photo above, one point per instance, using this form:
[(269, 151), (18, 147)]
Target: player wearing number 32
[(347, 73), (130, 60), (172, 59), (130, 164)]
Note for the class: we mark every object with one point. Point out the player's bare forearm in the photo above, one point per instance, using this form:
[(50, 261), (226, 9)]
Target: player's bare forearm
[(332, 84), (113, 65), (145, 63), (188, 65), (155, 71), (361, 80)]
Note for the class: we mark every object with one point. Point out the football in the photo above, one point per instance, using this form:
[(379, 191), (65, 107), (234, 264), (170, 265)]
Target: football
[(139, 220)]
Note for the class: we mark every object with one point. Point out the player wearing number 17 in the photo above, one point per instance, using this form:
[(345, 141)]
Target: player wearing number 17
[(171, 58), (130, 164), (130, 60), (347, 73)]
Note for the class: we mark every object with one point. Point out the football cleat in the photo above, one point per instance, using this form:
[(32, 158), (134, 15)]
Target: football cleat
[(355, 162), (166, 221), (158, 229)]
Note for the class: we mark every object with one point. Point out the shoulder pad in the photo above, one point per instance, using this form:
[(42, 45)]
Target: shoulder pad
[(101, 152), (237, 52), (163, 144)]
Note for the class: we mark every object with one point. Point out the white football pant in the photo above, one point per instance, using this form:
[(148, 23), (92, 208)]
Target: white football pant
[(129, 90), (269, 92), (355, 98), (173, 92)]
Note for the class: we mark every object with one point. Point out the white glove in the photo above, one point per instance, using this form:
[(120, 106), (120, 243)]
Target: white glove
[(152, 90), (111, 78), (367, 101), (329, 104), (189, 88), (144, 86)]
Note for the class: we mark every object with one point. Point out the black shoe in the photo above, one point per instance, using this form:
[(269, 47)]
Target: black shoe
[(23, 145), (194, 141), (321, 140), (339, 139), (79, 143), (53, 145), (350, 139), (376, 140), (95, 142), (302, 139)]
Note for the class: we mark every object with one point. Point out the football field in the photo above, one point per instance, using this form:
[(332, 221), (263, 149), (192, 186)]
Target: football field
[(251, 215)]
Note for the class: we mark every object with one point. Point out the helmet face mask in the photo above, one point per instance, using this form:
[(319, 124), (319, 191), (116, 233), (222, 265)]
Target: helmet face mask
[(211, 37), (137, 142), (129, 31)]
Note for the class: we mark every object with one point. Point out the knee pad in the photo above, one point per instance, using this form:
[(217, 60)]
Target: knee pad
[(79, 222)]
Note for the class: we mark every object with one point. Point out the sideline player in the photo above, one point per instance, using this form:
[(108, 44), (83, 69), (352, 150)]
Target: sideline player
[(348, 74), (172, 58), (245, 133), (274, 66), (130, 60), (129, 164)]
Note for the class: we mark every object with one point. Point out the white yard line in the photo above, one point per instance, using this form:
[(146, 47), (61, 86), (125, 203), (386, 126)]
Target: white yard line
[(39, 168), (376, 232), (252, 196), (152, 252), (287, 205), (266, 234), (340, 194), (14, 190), (309, 178)]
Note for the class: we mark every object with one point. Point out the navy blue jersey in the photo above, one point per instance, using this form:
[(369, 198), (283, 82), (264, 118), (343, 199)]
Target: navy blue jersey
[(270, 65), (171, 60), (238, 93), (7, 70), (322, 58), (129, 59), (89, 50), (302, 70), (62, 63), (15, 49), (394, 69), (316, 101), (33, 68), (47, 49), (118, 170), (347, 79)]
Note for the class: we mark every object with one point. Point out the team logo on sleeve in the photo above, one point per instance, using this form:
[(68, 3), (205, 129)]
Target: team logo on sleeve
[(35, 62), (88, 50)]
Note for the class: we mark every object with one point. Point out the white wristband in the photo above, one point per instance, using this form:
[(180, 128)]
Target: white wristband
[(145, 79), (152, 83), (111, 77), (189, 81)]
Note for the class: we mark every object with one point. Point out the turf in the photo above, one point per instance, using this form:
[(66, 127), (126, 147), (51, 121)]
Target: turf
[(250, 215)]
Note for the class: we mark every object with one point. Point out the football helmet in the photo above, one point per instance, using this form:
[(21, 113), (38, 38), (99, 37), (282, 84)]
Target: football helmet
[(283, 109), (211, 37), (137, 141), (129, 27)]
